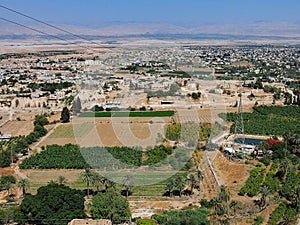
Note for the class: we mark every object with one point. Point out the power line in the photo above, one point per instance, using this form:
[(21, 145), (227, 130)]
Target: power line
[(42, 32), (48, 24), (33, 29)]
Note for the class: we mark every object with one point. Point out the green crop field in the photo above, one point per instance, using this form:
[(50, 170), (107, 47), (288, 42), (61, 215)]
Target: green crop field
[(167, 113), (145, 183), (71, 130)]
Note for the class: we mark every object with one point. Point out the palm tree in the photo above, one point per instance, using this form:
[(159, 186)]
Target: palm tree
[(7, 186), (200, 177), (87, 177), (23, 184), (284, 167), (216, 205), (108, 183), (264, 191), (180, 184), (294, 142), (193, 182), (52, 181), (61, 180), (170, 186), (127, 183), (234, 205), (98, 180), (224, 196)]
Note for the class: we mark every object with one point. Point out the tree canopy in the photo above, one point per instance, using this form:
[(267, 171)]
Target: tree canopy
[(196, 216), (110, 205), (65, 115), (53, 204)]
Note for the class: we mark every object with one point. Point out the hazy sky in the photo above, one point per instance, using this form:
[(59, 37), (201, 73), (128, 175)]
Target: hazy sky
[(169, 11)]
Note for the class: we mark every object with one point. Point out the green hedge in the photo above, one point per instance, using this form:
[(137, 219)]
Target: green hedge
[(167, 113), (73, 157), (271, 180), (253, 183)]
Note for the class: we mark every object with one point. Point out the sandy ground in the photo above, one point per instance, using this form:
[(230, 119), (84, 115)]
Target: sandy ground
[(18, 128)]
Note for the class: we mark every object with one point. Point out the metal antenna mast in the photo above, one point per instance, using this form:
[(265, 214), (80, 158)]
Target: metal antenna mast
[(239, 138)]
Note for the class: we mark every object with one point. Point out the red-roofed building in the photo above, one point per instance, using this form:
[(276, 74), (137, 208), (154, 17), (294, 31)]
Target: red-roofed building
[(272, 142)]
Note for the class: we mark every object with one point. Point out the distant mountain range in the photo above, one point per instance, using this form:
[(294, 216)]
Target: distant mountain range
[(121, 29)]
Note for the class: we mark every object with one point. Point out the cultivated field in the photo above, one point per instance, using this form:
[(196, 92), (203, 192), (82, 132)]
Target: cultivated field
[(108, 132), (147, 199)]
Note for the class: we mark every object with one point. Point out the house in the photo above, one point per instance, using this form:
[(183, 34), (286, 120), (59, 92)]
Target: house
[(89, 222), (5, 137), (52, 100)]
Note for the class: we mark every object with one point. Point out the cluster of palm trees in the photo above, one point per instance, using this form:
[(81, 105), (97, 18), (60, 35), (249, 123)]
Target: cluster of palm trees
[(60, 180), (91, 177), (221, 206), (180, 182), (22, 184)]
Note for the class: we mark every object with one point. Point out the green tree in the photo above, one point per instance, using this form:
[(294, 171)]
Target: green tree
[(197, 216), (224, 196), (264, 191), (8, 215), (192, 181), (180, 183), (108, 184), (87, 176), (40, 130), (53, 204), (7, 182), (65, 115), (170, 186), (195, 95), (52, 181), (62, 180), (110, 205), (17, 102), (23, 184), (76, 107), (200, 176), (97, 180), (128, 183), (40, 120), (234, 205), (288, 98)]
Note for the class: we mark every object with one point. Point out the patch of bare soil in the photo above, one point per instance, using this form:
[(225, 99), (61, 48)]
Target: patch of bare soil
[(17, 127), (232, 174)]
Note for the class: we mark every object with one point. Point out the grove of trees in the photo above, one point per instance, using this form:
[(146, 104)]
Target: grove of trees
[(110, 205), (53, 204), (196, 216), (20, 144), (268, 120), (72, 156)]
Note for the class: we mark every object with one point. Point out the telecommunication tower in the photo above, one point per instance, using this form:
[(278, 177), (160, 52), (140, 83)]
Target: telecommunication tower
[(239, 138)]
